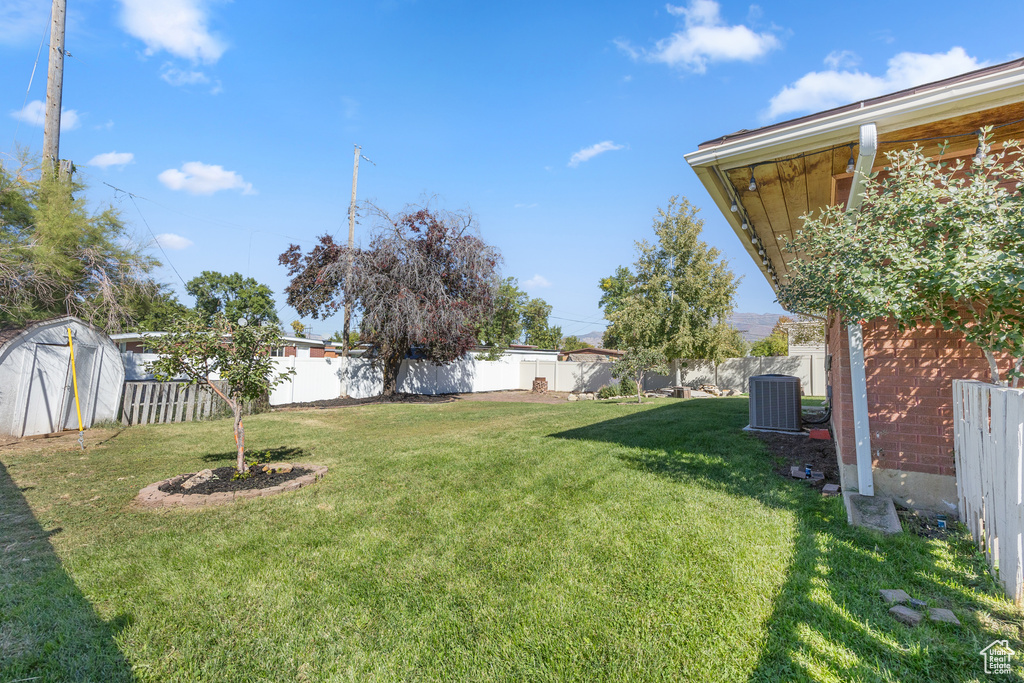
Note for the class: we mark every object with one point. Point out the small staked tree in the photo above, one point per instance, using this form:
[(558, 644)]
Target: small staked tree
[(235, 353), (636, 363), (425, 284), (934, 242)]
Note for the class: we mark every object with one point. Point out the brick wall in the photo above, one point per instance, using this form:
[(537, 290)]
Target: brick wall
[(316, 352), (910, 393)]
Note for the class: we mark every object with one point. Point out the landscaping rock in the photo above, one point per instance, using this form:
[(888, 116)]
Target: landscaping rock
[(198, 478), (279, 467), (572, 397), (920, 604), (894, 596), (830, 490), (944, 615), (906, 615)]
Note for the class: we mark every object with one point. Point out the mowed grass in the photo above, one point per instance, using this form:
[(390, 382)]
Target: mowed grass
[(471, 541)]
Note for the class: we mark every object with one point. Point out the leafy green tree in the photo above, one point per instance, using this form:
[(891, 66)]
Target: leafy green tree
[(238, 354), (637, 362), (57, 257), (339, 337), (573, 343), (505, 325), (157, 311), (775, 344), (298, 328), (934, 242), (680, 293), (536, 330), (233, 295)]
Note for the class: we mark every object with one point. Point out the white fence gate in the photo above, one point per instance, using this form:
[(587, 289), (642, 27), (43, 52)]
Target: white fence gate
[(988, 424)]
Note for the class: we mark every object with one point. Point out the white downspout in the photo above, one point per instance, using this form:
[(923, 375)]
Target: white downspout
[(854, 333)]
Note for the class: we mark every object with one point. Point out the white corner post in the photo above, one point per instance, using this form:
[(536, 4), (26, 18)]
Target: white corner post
[(854, 333), (859, 392)]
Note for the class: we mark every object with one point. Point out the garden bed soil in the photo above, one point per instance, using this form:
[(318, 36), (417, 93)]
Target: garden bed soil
[(225, 481), (799, 449)]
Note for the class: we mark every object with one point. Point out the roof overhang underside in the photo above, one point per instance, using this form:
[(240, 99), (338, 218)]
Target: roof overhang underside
[(801, 166)]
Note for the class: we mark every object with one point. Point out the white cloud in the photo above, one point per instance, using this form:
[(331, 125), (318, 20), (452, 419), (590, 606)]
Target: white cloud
[(588, 153), (704, 38), (111, 159), (177, 26), (23, 21), (178, 77), (195, 177), (537, 281), (34, 113), (168, 240), (839, 59), (820, 90)]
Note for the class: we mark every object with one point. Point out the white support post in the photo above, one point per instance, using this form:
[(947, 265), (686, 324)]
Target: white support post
[(859, 393)]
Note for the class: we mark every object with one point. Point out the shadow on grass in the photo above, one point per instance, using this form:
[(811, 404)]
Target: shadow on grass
[(281, 454), (48, 630), (828, 621)]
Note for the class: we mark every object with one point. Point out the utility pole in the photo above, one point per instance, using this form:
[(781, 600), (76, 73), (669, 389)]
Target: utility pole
[(351, 246), (54, 86)]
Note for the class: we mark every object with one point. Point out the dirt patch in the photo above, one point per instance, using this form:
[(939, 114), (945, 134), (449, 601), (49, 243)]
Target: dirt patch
[(518, 396), (800, 450), (226, 481)]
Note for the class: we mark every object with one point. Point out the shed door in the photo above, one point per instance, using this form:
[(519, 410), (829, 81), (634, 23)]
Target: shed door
[(87, 388), (48, 387)]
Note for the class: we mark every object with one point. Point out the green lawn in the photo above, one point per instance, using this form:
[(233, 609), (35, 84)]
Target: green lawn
[(471, 541)]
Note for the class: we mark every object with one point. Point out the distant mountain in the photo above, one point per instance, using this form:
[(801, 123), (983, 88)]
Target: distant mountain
[(593, 338), (754, 326)]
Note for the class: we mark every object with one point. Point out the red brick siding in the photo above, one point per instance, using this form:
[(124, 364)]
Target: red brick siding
[(289, 351), (910, 393), (316, 352)]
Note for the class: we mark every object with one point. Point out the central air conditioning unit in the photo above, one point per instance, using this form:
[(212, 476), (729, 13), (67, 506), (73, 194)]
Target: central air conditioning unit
[(775, 402)]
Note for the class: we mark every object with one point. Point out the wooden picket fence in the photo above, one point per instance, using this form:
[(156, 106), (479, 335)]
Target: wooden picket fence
[(988, 428), (148, 402)]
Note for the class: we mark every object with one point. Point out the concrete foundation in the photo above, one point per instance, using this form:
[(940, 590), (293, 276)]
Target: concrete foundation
[(916, 490)]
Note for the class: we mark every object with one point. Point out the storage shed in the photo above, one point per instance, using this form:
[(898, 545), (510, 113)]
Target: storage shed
[(36, 389)]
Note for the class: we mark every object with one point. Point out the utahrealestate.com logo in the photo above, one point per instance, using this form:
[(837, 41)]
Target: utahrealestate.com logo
[(998, 657)]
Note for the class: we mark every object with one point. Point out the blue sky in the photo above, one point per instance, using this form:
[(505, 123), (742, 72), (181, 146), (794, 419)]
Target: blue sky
[(561, 125)]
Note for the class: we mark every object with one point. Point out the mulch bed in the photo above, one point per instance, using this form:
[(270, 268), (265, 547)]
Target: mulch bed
[(372, 400), (798, 449), (257, 479)]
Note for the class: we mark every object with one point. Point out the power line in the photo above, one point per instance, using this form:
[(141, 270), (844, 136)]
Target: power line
[(31, 78), (160, 246)]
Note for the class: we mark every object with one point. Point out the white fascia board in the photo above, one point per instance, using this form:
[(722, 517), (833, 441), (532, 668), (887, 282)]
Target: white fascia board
[(994, 90)]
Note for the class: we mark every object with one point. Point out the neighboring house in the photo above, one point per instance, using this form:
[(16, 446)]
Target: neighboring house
[(895, 434), (591, 355), (135, 352)]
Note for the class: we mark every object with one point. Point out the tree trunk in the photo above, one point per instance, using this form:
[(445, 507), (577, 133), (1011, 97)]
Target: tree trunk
[(239, 437), (639, 390), (391, 364), (991, 358)]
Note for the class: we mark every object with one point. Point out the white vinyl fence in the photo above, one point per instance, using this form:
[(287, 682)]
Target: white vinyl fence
[(988, 424), (733, 373)]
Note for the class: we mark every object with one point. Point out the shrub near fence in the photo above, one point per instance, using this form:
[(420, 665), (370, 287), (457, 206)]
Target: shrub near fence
[(147, 402), (988, 430)]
